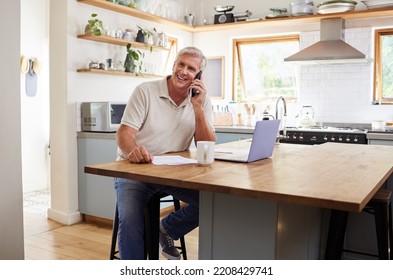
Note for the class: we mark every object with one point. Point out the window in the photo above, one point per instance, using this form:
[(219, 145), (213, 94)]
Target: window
[(383, 72), (260, 72)]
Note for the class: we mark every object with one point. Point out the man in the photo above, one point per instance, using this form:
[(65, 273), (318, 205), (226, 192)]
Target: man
[(161, 117)]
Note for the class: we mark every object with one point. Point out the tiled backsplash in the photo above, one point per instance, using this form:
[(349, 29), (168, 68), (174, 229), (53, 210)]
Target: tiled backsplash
[(342, 93)]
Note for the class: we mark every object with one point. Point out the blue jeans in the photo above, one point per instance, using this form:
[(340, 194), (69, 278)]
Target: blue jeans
[(132, 197)]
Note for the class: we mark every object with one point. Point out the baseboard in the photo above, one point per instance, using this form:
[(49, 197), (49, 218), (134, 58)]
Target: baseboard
[(64, 218), (97, 220)]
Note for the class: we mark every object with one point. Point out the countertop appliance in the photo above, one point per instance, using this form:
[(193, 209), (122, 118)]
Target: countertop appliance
[(101, 116), (322, 134), (225, 17)]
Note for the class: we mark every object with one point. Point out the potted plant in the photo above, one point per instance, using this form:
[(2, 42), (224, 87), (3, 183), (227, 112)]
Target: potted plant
[(133, 60), (94, 26)]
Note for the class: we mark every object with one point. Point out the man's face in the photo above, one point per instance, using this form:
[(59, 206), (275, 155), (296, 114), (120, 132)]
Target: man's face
[(184, 71)]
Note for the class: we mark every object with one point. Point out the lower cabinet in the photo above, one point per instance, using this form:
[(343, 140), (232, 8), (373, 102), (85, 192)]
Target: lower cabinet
[(96, 193), (224, 137), (380, 142)]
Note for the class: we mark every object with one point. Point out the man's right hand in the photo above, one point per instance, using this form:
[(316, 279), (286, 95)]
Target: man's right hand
[(140, 155)]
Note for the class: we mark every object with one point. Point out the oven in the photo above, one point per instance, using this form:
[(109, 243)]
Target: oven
[(321, 134)]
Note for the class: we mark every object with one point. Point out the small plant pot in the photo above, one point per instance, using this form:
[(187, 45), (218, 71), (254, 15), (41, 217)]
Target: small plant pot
[(129, 65)]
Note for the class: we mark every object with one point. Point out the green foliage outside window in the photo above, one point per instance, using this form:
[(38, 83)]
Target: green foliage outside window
[(262, 73), (387, 66)]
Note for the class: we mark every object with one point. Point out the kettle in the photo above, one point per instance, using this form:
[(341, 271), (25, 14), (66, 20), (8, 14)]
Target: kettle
[(306, 116)]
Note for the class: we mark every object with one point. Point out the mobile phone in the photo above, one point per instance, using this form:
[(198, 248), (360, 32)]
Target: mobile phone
[(198, 76)]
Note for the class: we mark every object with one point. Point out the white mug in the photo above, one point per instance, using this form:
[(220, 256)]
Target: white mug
[(205, 152)]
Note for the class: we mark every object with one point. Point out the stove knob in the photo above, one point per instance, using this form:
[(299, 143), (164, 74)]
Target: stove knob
[(325, 138), (340, 139), (347, 139), (356, 139), (333, 138), (301, 137), (294, 137)]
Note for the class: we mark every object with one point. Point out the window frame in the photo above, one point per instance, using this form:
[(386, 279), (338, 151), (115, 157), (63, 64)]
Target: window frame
[(377, 87), (236, 56)]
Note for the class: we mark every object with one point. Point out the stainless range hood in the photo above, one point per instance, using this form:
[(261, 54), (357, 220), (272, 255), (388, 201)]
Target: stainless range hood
[(331, 49)]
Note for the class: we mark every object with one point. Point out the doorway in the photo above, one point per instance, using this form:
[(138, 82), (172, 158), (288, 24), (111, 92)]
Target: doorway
[(35, 105)]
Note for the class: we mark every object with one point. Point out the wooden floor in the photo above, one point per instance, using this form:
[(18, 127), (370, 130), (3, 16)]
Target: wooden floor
[(48, 240)]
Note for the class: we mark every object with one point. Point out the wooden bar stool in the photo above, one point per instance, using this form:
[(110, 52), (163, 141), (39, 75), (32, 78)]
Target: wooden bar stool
[(152, 222), (380, 206)]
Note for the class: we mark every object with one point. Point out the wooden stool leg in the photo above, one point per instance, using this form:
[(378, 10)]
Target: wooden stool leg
[(390, 232), (382, 228), (336, 234)]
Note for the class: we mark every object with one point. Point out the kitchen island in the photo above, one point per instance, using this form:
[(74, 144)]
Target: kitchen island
[(274, 208)]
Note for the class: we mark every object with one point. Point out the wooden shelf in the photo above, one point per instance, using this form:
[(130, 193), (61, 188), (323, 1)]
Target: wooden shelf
[(122, 42), (136, 13), (363, 14), (117, 73)]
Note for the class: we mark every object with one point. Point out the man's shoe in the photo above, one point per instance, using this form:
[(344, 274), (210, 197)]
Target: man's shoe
[(167, 246)]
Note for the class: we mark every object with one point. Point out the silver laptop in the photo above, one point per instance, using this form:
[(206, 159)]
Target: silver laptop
[(262, 144)]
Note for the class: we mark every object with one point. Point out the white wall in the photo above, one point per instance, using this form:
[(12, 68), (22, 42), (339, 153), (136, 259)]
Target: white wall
[(11, 214), (35, 110)]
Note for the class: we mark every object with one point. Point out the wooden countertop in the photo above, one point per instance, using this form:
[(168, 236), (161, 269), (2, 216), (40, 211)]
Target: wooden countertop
[(331, 175)]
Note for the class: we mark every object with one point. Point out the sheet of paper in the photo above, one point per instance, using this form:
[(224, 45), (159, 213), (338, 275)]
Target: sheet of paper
[(172, 160)]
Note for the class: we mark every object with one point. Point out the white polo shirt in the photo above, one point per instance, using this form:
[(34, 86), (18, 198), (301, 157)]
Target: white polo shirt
[(163, 126)]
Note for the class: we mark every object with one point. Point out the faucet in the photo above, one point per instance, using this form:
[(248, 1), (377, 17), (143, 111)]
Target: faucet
[(282, 117), (284, 104)]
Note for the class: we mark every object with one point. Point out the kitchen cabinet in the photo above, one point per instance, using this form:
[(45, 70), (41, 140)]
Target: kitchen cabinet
[(96, 194), (380, 138), (224, 137), (380, 12), (230, 133)]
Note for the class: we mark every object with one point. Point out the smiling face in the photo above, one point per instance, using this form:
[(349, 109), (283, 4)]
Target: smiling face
[(184, 71)]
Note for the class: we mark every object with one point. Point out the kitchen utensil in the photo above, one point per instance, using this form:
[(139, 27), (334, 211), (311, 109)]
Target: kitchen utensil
[(377, 125), (190, 19), (224, 9), (336, 6), (306, 116), (242, 16), (374, 4), (225, 17), (299, 8)]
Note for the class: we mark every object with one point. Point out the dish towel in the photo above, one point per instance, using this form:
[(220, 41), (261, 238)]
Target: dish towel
[(31, 80)]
